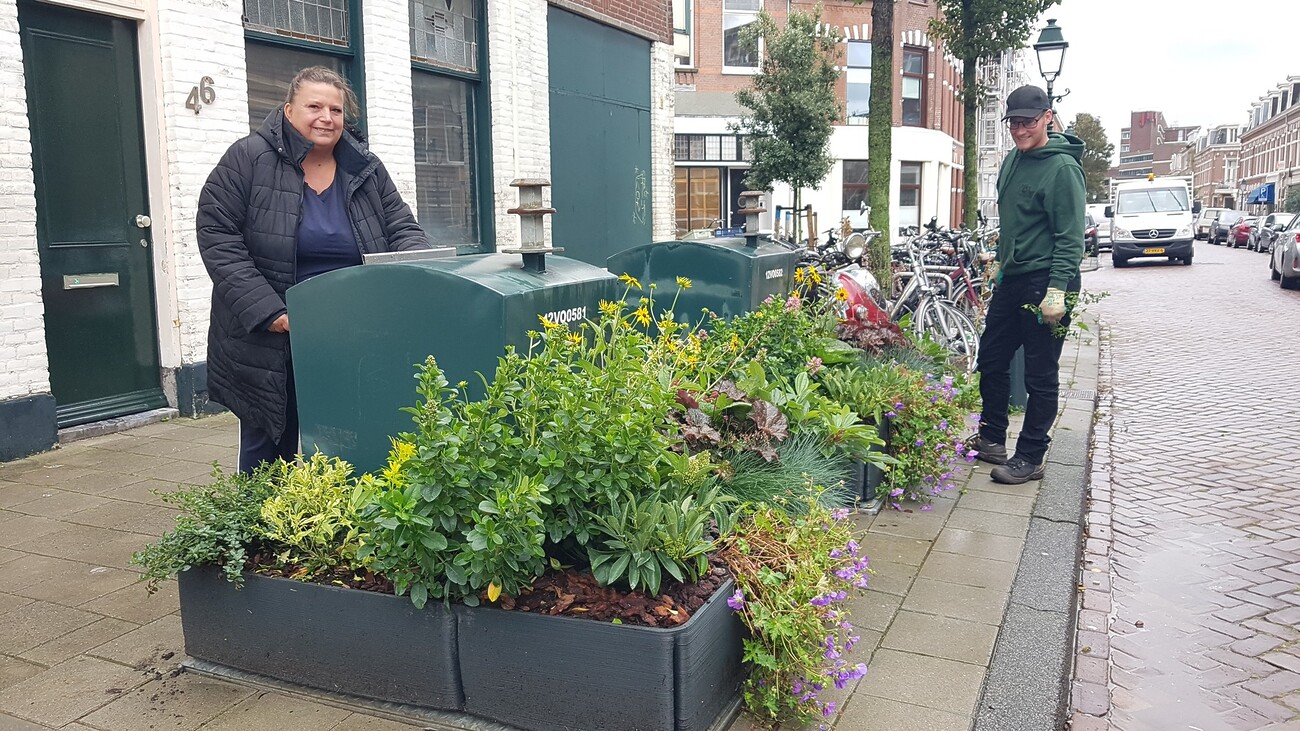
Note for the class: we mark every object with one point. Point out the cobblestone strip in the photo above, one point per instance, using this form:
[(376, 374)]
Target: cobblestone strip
[(1090, 687)]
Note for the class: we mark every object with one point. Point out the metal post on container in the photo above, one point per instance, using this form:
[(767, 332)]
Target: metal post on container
[(532, 224), (751, 204)]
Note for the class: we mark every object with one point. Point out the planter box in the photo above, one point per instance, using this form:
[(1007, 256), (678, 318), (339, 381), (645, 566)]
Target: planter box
[(533, 672), (545, 673), (336, 639)]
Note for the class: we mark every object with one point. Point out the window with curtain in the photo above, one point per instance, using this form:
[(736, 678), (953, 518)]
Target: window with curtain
[(446, 95), (284, 36), (914, 87), (909, 194), (858, 75)]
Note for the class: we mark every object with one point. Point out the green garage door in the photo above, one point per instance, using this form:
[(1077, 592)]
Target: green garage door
[(600, 137)]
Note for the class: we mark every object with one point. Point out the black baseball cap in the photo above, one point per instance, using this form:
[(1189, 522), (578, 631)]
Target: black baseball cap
[(1027, 101)]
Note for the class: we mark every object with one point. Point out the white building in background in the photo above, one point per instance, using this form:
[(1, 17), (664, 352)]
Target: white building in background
[(1000, 76), (115, 111)]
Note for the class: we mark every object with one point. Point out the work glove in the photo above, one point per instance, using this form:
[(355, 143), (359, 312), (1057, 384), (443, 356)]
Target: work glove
[(1053, 306)]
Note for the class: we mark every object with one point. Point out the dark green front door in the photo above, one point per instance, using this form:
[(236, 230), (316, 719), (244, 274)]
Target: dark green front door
[(92, 224), (600, 137)]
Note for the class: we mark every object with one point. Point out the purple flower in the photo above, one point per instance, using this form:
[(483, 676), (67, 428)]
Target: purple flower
[(839, 514), (814, 365), (852, 546), (736, 601), (828, 710), (820, 601), (896, 492), (831, 653), (920, 442), (798, 686), (943, 425), (926, 508), (768, 300), (898, 406), (836, 553), (792, 304)]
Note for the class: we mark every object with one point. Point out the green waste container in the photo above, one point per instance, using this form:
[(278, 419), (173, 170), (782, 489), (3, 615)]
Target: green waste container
[(728, 276), (358, 333)]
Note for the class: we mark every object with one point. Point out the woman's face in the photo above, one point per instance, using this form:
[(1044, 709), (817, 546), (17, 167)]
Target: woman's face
[(316, 111)]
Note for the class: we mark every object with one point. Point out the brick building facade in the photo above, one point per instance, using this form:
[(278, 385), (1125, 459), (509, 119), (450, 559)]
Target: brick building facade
[(1270, 149), (927, 138), (1214, 161), (456, 98)]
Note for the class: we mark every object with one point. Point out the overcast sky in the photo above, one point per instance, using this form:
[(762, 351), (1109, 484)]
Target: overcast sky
[(1198, 61)]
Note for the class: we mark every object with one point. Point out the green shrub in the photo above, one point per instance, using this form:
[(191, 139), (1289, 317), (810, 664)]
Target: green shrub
[(217, 524), (310, 518)]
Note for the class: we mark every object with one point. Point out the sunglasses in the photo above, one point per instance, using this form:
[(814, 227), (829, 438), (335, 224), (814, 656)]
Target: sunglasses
[(1026, 122)]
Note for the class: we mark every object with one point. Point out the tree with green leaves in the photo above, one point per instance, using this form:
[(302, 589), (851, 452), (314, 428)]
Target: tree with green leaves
[(792, 103), (1291, 204), (972, 30), (1096, 154), (880, 136)]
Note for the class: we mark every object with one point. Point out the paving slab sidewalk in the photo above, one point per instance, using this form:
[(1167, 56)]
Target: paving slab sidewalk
[(960, 601)]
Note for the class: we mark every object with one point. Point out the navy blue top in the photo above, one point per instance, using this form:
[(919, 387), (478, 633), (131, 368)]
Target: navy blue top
[(325, 238)]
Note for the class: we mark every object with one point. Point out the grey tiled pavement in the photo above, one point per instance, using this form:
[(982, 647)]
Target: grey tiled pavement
[(1191, 610), (82, 647)]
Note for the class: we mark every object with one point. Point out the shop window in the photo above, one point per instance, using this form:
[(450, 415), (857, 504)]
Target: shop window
[(739, 57), (448, 99), (698, 198), (914, 87), (285, 36)]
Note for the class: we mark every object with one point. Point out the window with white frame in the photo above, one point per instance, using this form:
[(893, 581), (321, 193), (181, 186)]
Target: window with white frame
[(738, 56), (683, 45), (858, 76), (1124, 134), (909, 194)]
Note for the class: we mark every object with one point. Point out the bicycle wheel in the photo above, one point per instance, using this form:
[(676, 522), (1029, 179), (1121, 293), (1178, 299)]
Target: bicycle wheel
[(943, 323)]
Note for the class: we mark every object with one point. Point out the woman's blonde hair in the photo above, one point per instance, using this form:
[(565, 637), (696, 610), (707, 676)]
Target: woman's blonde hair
[(322, 75)]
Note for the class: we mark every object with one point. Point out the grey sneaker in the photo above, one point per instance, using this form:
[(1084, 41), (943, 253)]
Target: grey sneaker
[(1018, 470), (987, 451)]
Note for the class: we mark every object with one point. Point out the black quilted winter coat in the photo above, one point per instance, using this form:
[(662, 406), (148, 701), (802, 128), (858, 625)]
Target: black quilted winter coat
[(247, 230)]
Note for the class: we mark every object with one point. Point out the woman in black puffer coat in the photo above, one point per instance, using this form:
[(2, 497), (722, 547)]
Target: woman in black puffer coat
[(299, 197)]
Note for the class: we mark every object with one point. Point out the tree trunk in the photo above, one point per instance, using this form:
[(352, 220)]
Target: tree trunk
[(970, 97), (880, 137), (798, 216)]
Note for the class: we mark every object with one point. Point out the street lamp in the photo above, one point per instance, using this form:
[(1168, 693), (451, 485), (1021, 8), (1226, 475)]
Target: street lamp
[(1050, 49)]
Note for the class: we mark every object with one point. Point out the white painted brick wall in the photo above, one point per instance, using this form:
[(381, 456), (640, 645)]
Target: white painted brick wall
[(22, 316), (521, 109), (200, 38), (662, 100), (387, 43)]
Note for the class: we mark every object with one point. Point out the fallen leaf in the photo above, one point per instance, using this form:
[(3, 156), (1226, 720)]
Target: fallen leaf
[(493, 591)]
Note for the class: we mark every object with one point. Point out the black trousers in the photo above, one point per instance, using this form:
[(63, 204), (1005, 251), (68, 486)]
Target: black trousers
[(1009, 326), (256, 446)]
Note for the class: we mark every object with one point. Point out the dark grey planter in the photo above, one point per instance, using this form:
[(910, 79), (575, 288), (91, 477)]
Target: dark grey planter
[(545, 673), (336, 639)]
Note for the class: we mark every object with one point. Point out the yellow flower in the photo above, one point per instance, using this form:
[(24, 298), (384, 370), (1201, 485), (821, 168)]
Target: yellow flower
[(683, 282), (547, 323), (842, 294), (734, 343), (642, 316), (814, 276), (799, 276), (629, 280), (402, 451), (610, 309), (573, 338)]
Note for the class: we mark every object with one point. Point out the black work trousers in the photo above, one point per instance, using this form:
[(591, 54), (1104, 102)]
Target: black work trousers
[(1009, 326), (256, 446)]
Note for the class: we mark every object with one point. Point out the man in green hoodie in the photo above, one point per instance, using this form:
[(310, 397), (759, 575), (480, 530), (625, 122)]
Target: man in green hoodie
[(1041, 204)]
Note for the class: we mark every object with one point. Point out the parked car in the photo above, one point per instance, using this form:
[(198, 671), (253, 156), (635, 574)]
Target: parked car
[(1221, 228), (1091, 238), (1098, 213), (1243, 233), (1268, 229), (1205, 221), (1284, 264)]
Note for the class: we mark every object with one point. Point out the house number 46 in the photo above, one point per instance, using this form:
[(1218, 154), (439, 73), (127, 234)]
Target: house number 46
[(201, 94)]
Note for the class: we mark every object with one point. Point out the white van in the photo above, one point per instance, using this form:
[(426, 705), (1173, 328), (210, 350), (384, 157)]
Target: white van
[(1151, 217)]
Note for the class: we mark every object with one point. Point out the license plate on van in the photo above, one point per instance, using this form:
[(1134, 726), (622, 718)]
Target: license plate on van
[(1153, 251)]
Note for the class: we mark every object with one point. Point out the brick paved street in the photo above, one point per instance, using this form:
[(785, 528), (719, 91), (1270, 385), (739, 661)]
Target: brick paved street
[(1193, 557)]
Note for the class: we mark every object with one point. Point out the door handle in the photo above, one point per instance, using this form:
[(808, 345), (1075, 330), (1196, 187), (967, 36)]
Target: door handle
[(143, 221)]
